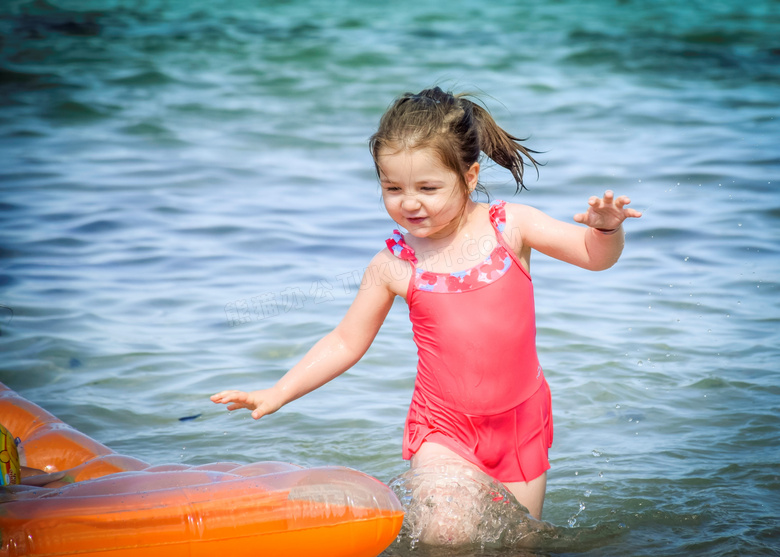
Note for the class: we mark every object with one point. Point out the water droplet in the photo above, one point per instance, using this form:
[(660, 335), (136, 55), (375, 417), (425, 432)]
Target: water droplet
[(687, 258), (582, 506), (594, 452), (617, 407), (709, 330), (606, 460), (572, 521), (740, 224), (576, 473), (601, 474), (639, 363), (621, 525), (588, 492)]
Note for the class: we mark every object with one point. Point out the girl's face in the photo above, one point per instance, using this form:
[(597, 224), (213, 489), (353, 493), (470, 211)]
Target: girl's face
[(421, 194)]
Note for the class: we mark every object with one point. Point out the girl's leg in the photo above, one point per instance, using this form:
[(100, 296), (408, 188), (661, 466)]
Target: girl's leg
[(445, 512), (429, 451), (529, 494)]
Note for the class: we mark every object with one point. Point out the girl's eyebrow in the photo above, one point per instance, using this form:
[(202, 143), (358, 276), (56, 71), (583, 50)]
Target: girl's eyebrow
[(386, 180)]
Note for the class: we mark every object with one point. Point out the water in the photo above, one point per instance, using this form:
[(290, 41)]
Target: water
[(187, 200)]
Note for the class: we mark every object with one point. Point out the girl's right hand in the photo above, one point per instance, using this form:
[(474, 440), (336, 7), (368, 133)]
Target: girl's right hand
[(261, 403)]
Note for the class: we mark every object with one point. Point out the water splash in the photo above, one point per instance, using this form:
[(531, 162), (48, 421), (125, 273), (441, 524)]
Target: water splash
[(453, 508), (449, 503)]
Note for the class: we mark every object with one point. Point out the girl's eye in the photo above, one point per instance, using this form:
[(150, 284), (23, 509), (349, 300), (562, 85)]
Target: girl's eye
[(429, 188)]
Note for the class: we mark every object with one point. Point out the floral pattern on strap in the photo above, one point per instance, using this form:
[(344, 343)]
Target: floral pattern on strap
[(489, 270), (397, 245), (498, 214)]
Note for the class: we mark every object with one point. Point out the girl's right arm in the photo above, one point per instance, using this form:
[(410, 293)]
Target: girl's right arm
[(335, 353)]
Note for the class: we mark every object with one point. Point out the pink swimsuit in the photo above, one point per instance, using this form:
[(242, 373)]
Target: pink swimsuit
[(480, 390)]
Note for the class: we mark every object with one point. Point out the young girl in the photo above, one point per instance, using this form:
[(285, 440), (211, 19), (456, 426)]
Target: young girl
[(480, 394)]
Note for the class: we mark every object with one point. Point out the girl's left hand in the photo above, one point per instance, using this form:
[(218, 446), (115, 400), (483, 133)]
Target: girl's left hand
[(607, 213)]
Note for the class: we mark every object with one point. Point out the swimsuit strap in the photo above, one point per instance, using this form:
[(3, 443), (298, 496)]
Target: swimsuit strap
[(497, 213), (398, 247), (498, 220)]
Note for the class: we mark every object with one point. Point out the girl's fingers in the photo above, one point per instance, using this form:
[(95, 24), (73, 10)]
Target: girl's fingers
[(603, 207), (223, 394), (229, 396)]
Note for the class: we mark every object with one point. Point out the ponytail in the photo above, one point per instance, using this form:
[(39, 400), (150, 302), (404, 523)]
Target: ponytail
[(499, 146)]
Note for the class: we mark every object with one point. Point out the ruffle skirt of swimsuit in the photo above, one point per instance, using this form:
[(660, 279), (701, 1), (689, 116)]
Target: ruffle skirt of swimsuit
[(511, 446)]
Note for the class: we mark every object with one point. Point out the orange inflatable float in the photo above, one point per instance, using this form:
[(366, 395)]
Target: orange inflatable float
[(110, 505)]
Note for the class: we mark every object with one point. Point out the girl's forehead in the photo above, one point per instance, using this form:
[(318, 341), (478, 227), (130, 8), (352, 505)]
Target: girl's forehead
[(424, 159)]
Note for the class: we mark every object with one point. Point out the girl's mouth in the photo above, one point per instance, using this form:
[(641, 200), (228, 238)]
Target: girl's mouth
[(416, 220)]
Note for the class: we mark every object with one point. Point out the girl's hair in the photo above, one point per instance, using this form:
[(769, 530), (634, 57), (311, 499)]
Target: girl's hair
[(456, 128)]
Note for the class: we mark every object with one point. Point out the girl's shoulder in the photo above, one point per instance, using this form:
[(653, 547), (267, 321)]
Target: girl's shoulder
[(520, 222), (513, 214), (519, 215), (514, 208), (389, 270)]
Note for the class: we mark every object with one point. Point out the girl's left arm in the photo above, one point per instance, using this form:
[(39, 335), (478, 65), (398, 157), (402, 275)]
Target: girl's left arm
[(596, 247)]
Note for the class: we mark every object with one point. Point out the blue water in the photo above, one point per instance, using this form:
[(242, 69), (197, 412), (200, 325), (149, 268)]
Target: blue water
[(187, 200)]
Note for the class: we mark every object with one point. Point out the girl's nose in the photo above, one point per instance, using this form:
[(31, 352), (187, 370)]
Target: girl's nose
[(410, 203)]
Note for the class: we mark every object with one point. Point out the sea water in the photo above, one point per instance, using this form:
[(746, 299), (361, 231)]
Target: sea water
[(187, 204)]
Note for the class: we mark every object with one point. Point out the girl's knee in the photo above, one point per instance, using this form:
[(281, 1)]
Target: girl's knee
[(445, 511)]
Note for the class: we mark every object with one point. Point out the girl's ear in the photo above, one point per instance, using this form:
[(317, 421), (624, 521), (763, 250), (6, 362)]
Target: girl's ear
[(472, 176)]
